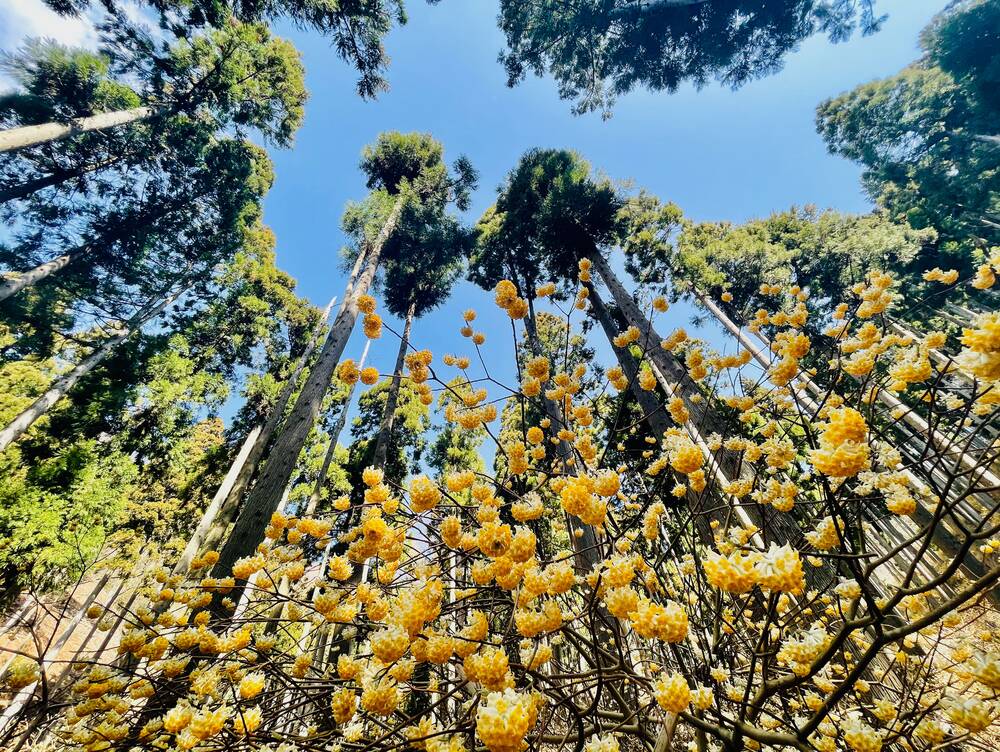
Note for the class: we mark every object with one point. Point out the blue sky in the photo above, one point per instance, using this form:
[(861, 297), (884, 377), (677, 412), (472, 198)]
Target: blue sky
[(718, 154)]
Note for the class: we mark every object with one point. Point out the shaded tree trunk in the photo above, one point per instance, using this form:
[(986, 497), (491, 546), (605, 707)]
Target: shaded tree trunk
[(50, 655), (25, 189), (212, 511), (586, 548), (392, 397), (652, 410), (672, 376), (266, 493), (338, 428), (15, 139), (17, 281), (274, 418), (63, 384)]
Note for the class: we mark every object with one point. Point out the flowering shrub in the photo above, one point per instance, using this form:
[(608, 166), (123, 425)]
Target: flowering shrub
[(785, 565)]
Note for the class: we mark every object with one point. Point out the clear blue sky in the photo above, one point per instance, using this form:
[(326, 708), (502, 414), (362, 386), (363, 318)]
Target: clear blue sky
[(718, 154)]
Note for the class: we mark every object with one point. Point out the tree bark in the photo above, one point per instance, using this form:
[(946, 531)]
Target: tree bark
[(266, 493), (20, 280), (675, 380), (652, 410), (274, 418), (392, 397), (51, 654), (212, 511), (338, 428), (587, 552), (623, 299), (14, 285), (63, 384), (15, 139), (25, 189)]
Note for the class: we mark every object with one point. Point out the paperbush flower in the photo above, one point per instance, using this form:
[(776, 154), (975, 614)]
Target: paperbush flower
[(504, 720)]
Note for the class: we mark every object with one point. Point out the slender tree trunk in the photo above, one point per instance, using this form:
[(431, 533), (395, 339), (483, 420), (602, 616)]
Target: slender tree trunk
[(14, 285), (27, 188), (212, 511), (274, 417), (586, 548), (652, 410), (14, 139), (338, 428), (392, 397), (17, 281), (671, 373), (266, 494), (63, 384)]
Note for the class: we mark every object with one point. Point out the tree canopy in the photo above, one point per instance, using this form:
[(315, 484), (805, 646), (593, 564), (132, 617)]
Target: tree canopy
[(924, 136), (598, 50)]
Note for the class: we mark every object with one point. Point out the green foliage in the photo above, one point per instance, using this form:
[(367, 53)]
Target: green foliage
[(407, 441), (455, 448), (427, 259), (549, 213), (824, 252), (56, 506), (355, 29), (135, 430), (241, 74), (964, 42), (414, 163), (59, 82), (174, 488), (922, 137), (598, 50)]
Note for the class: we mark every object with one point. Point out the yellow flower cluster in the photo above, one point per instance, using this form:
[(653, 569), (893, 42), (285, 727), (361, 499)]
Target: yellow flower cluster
[(843, 448), (490, 668), (418, 365), (685, 457), (824, 536), (734, 573), (628, 337), (507, 298), (980, 356), (22, 672), (986, 274), (779, 569), (617, 378), (424, 494), (937, 274), (668, 623), (672, 693), (874, 293), (348, 372), (674, 340), (577, 498), (504, 720), (372, 325)]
